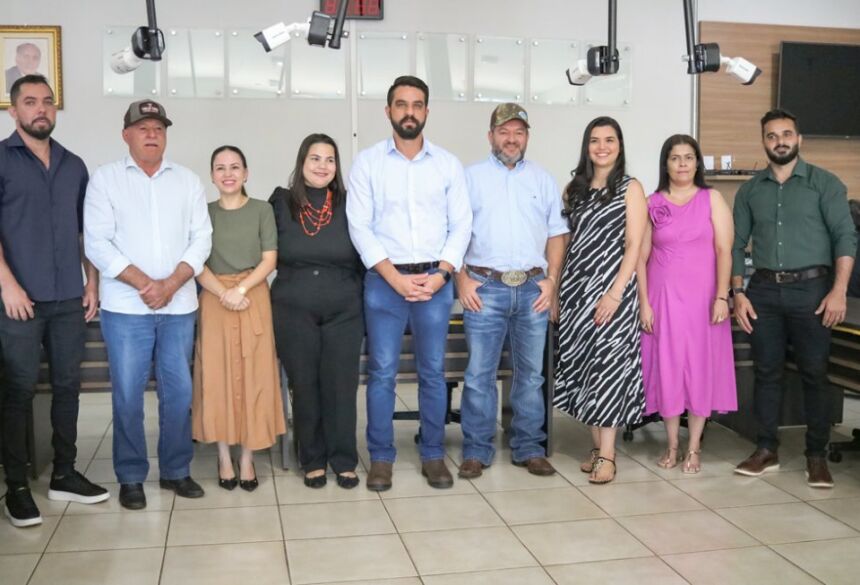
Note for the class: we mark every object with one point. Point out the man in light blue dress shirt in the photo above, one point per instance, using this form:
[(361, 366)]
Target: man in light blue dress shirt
[(147, 230), (507, 287), (410, 220)]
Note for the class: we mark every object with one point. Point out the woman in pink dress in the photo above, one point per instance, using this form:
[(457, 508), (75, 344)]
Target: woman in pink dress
[(687, 355)]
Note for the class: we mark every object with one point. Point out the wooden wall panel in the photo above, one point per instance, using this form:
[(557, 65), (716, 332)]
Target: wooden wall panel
[(729, 112)]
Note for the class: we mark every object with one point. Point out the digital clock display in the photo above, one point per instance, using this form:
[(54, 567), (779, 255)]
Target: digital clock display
[(358, 9)]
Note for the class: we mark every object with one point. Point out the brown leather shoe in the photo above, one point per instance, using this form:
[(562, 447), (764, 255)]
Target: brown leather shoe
[(759, 462), (536, 466), (817, 474), (437, 474), (471, 468), (379, 476)]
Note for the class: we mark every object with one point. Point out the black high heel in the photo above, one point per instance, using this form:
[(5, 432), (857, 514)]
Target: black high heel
[(250, 485), (227, 484)]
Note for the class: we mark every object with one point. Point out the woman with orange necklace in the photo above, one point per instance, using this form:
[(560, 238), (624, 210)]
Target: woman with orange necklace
[(317, 307)]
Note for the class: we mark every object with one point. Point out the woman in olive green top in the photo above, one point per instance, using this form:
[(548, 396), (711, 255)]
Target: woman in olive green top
[(237, 396)]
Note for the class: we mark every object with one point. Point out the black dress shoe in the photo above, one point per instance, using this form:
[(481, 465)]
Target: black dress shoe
[(185, 487), (227, 484), (347, 482), (250, 485), (316, 482), (132, 496)]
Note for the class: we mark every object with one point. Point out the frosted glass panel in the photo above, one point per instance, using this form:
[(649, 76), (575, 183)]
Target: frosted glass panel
[(613, 90), (549, 61), (499, 69), (316, 72), (195, 63), (254, 73), (442, 63), (382, 58), (142, 82)]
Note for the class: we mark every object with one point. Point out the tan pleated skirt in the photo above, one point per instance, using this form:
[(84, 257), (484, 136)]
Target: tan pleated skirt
[(237, 391)]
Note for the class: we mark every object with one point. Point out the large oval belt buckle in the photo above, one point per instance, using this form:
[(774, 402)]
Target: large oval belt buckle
[(514, 277)]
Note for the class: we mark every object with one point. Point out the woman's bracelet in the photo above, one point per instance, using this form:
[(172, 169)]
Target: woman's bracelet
[(725, 299), (613, 298)]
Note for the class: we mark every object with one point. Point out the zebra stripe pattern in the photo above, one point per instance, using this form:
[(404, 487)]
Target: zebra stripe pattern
[(599, 369)]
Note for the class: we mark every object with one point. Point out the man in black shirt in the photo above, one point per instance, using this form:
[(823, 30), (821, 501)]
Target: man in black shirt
[(44, 300)]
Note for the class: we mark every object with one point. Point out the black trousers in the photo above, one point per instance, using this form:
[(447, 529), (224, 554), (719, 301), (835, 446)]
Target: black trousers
[(60, 326), (786, 314), (319, 326)]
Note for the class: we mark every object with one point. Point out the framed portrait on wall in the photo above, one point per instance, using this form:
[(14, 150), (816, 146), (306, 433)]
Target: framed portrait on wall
[(25, 50)]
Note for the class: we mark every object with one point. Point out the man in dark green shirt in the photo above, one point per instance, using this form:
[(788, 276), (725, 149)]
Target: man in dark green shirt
[(803, 252)]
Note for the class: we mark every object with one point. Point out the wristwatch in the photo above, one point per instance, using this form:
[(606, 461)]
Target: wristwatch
[(738, 290), (242, 290), (445, 274)]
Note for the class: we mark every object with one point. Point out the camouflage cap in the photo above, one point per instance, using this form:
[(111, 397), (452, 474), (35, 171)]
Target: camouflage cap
[(144, 109), (507, 112)]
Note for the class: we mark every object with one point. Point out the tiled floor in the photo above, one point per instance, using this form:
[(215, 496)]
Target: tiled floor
[(651, 526)]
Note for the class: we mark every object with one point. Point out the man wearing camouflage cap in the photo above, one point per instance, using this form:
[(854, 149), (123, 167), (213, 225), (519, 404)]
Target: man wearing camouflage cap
[(507, 287), (147, 230)]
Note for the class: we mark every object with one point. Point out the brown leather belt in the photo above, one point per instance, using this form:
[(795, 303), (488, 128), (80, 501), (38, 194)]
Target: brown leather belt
[(789, 276), (509, 277)]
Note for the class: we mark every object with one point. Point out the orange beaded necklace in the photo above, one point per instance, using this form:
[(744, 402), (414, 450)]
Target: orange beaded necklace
[(313, 220)]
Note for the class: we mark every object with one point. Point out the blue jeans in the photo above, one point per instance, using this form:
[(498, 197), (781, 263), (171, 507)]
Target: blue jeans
[(505, 311), (134, 343), (386, 314)]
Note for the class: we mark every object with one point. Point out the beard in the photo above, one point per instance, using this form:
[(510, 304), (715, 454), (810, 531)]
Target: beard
[(507, 159), (408, 133), (38, 133), (783, 159)]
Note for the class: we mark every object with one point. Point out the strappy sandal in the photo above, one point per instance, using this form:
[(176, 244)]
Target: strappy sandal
[(667, 461), (688, 466), (588, 466), (601, 461)]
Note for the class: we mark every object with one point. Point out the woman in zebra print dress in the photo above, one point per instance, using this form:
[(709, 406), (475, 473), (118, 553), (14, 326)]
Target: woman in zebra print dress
[(599, 373)]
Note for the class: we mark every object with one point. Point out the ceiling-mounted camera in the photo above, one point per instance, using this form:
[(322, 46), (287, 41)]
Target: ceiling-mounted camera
[(706, 57), (147, 44), (601, 60), (321, 29)]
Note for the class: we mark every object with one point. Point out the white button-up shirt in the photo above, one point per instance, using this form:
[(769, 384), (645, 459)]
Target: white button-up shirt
[(515, 211), (153, 223), (408, 211)]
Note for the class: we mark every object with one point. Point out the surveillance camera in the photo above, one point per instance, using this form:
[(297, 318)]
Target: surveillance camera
[(579, 74), (705, 58), (124, 61), (739, 67), (274, 36)]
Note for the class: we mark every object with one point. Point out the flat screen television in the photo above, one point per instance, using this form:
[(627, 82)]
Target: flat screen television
[(820, 84)]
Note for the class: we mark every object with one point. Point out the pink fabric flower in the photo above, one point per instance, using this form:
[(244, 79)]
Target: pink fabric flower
[(660, 214)]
